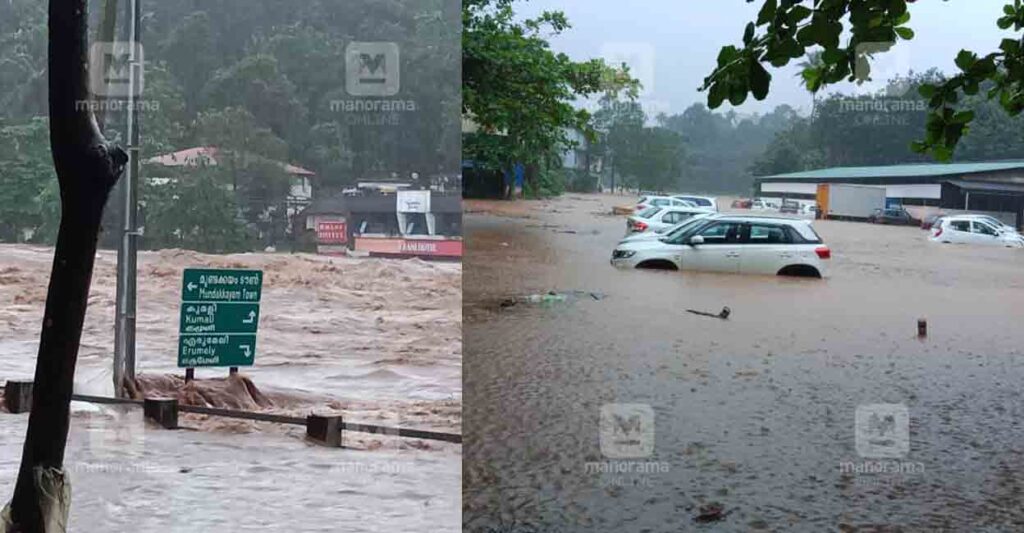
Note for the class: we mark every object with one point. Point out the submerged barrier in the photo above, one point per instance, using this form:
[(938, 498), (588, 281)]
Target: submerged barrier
[(322, 429)]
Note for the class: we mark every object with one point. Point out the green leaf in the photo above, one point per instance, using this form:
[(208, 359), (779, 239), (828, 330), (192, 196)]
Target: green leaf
[(905, 33), (963, 117), (767, 13), (727, 54), (760, 80), (716, 95), (737, 94), (798, 13), (965, 60)]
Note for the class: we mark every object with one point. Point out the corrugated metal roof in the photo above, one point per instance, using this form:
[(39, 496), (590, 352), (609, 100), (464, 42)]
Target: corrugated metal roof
[(902, 171), (986, 186)]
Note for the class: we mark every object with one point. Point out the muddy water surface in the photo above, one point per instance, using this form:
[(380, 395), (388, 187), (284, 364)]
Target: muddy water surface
[(755, 413), (378, 341)]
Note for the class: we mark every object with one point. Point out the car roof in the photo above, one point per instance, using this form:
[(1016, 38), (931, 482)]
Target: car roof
[(761, 218), (685, 209)]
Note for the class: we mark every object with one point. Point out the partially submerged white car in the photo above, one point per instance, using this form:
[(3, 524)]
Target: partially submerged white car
[(707, 202), (970, 229), (734, 244), (668, 232), (660, 218), (661, 201)]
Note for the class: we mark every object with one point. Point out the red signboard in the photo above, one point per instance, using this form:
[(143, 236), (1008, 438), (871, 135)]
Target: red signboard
[(410, 247), (332, 232)]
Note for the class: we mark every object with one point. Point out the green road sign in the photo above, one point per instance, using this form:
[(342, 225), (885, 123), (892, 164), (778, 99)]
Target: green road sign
[(220, 313), (220, 285), (216, 350), (215, 317)]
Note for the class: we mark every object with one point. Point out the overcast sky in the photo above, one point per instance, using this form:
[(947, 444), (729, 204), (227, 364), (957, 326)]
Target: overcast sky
[(674, 43)]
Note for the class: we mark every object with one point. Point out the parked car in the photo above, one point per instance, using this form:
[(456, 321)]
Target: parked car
[(666, 232), (700, 201), (742, 203), (791, 207), (761, 205), (661, 201), (735, 244), (965, 229), (660, 218), (809, 210), (993, 221), (895, 216)]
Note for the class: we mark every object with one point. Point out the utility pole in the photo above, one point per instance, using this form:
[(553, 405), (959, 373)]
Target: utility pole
[(127, 253)]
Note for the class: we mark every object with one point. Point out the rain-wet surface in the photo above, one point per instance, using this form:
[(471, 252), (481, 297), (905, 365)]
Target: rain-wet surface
[(755, 413)]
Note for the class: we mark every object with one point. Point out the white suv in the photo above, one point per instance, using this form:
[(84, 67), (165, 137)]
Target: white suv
[(968, 229), (660, 218), (735, 244)]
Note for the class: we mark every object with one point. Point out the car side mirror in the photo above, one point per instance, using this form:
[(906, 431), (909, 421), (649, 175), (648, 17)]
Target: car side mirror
[(696, 239)]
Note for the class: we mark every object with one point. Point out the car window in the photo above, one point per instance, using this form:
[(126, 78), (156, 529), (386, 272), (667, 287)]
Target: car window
[(660, 202), (649, 212), (676, 217), (721, 233), (765, 234), (960, 225), (983, 229), (679, 231)]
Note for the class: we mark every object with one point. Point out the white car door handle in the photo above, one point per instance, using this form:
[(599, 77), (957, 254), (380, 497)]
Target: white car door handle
[(732, 254)]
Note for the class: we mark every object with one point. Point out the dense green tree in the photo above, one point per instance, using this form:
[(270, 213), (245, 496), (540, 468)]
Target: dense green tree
[(848, 34), (515, 87), (25, 172), (194, 210)]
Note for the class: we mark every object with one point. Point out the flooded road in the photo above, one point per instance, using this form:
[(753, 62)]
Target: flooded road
[(754, 414), (377, 341)]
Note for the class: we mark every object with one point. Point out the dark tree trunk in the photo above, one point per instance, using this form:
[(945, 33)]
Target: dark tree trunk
[(87, 169)]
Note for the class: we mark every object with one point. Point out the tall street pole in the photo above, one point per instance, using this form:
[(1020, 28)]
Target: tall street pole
[(127, 260)]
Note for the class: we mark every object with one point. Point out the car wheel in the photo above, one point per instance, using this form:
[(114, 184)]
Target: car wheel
[(657, 264), (800, 271)]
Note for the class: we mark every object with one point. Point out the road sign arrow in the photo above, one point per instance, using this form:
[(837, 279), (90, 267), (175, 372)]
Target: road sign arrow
[(251, 319), (192, 286), (247, 350)]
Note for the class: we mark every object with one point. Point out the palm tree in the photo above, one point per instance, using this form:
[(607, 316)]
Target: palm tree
[(813, 61)]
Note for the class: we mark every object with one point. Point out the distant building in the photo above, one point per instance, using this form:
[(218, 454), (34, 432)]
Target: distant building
[(995, 187), (301, 187), (578, 157), (384, 219)]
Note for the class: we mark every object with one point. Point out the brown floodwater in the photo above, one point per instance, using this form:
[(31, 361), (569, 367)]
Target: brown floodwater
[(755, 413), (377, 341)]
